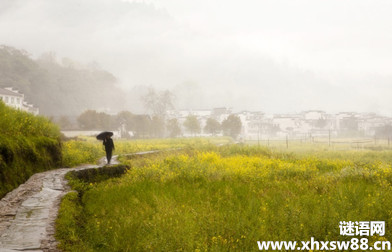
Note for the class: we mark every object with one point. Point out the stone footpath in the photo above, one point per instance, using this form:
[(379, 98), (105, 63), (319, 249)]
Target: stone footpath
[(28, 213)]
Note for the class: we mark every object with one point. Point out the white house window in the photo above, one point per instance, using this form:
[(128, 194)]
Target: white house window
[(12, 100), (6, 99)]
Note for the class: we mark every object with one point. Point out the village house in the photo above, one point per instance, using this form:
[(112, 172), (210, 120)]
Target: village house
[(288, 124), (370, 122), (314, 115), (220, 114), (253, 126), (16, 100)]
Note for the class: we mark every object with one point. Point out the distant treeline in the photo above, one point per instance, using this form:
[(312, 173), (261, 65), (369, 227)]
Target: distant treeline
[(150, 126)]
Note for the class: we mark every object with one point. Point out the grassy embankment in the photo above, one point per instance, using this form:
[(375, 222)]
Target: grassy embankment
[(28, 144), (226, 199)]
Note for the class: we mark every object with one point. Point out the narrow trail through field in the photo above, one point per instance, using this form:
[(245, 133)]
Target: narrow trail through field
[(28, 213)]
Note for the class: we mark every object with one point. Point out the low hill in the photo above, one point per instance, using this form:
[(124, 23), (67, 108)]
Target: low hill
[(65, 88)]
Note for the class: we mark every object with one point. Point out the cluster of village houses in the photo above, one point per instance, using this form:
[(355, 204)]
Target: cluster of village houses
[(15, 99), (258, 125)]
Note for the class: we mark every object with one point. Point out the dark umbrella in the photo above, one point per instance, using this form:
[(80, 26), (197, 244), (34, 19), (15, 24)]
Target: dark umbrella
[(102, 135)]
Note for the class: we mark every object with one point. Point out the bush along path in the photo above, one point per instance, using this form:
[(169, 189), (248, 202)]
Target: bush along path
[(28, 213)]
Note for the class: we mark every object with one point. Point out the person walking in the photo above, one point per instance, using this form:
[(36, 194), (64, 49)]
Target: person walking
[(109, 147)]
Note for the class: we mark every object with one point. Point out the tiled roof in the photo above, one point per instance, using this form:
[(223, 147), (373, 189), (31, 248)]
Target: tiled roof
[(10, 93)]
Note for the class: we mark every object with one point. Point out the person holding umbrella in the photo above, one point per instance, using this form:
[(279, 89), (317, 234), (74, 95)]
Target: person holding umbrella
[(108, 143), (109, 147)]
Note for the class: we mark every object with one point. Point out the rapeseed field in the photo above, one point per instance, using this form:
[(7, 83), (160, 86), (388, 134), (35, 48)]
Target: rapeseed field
[(227, 198), (88, 149)]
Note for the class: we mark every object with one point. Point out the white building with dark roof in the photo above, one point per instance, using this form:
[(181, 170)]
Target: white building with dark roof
[(16, 100)]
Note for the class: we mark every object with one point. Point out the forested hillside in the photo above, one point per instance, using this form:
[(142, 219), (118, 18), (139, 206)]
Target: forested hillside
[(65, 88)]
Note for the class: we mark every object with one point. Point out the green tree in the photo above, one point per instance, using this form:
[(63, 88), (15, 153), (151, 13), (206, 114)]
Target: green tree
[(212, 126), (192, 124), (173, 127), (142, 124), (232, 126), (157, 128), (158, 103), (88, 120), (92, 120)]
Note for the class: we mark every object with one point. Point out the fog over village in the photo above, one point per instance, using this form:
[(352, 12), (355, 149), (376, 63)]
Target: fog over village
[(209, 125), (269, 62)]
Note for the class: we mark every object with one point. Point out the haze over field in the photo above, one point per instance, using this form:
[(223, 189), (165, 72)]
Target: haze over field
[(274, 56)]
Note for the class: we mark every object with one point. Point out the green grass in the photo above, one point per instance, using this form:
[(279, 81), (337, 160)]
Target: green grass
[(227, 198)]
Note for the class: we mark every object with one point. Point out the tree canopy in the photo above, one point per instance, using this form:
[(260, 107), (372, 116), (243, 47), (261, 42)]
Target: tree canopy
[(192, 125), (232, 126), (212, 126), (173, 128), (158, 103)]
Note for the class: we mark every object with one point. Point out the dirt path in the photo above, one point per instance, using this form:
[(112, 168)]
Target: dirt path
[(28, 213)]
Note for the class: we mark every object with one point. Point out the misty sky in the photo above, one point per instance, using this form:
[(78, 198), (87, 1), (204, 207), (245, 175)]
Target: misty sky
[(269, 55)]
